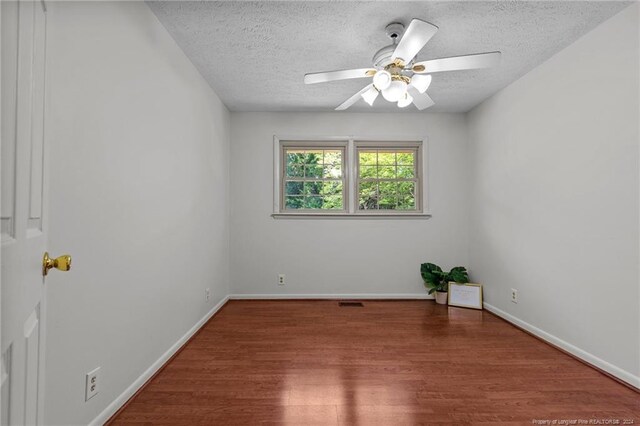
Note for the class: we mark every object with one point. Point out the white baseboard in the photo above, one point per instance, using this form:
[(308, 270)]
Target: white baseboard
[(137, 384), (371, 296), (580, 353)]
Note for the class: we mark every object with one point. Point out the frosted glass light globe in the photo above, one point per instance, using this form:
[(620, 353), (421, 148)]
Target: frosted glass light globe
[(406, 101), (382, 79), (370, 95), (396, 91)]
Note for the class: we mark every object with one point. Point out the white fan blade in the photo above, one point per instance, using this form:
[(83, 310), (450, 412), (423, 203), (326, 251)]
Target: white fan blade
[(455, 63), (417, 34), (420, 100), (352, 100), (322, 77)]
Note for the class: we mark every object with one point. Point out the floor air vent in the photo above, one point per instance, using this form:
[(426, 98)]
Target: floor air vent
[(351, 304)]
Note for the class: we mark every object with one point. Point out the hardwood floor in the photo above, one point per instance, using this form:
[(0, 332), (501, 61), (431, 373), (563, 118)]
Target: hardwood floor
[(387, 363)]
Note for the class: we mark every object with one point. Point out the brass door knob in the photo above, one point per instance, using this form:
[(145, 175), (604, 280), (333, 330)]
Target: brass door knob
[(62, 263)]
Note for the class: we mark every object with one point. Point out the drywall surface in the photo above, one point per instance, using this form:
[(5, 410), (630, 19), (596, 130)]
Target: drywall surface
[(554, 190), (343, 256), (138, 196)]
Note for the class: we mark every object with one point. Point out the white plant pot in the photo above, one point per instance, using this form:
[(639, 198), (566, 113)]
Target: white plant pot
[(441, 297)]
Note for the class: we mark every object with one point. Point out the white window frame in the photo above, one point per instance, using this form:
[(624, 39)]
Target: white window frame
[(350, 176)]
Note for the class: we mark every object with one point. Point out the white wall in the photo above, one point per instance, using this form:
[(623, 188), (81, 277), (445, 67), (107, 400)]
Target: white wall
[(365, 256), (554, 184), (139, 198)]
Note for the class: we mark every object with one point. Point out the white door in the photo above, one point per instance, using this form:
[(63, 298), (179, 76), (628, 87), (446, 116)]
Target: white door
[(23, 216)]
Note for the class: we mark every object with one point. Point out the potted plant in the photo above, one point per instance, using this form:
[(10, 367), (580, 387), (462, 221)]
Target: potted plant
[(436, 280)]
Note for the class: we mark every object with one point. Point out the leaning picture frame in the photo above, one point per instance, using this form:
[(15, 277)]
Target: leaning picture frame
[(465, 295)]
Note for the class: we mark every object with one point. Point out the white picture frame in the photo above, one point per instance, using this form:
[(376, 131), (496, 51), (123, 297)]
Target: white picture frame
[(465, 295)]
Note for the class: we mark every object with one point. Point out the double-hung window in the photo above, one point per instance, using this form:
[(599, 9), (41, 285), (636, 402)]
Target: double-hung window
[(313, 178), (349, 178), (387, 177)]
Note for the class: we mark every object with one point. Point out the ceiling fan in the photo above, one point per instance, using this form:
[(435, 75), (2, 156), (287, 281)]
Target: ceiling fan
[(395, 72)]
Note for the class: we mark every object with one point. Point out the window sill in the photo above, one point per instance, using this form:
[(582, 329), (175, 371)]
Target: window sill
[(351, 216)]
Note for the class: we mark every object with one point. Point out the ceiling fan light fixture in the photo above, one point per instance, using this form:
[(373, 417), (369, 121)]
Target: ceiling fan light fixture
[(395, 72), (382, 79), (397, 90), (421, 82), (406, 101), (370, 95)]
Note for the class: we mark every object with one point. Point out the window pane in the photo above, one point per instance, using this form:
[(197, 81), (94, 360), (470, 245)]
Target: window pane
[(295, 157), (368, 158), (313, 171), (324, 202), (332, 172), (386, 158), (313, 202), (332, 202), (295, 170), (293, 188), (368, 172), (331, 188), (405, 158), (405, 172), (388, 197), (387, 201), (406, 196), (312, 188), (295, 163), (368, 195), (313, 157), (406, 187), (406, 203), (387, 187), (386, 172), (293, 202), (333, 157)]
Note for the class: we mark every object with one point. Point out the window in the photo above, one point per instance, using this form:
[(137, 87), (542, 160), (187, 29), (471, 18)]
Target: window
[(313, 178), (349, 178), (387, 178)]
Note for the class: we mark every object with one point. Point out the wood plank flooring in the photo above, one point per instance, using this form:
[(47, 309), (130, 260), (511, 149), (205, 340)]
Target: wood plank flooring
[(387, 363)]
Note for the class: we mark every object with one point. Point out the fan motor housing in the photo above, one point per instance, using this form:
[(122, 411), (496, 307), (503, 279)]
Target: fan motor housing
[(383, 57)]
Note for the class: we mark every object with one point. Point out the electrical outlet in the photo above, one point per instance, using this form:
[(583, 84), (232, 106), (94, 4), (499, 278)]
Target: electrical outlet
[(207, 294), (281, 279), (92, 384), (514, 295)]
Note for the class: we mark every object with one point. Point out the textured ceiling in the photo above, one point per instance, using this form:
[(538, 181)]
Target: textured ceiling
[(255, 54)]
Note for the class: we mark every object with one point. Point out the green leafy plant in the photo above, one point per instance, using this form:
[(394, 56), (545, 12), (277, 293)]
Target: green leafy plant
[(435, 279)]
